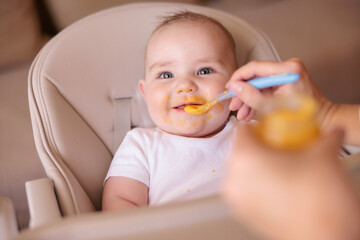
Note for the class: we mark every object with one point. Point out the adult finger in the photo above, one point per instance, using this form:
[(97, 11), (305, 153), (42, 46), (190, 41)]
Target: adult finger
[(235, 104), (243, 112), (248, 94)]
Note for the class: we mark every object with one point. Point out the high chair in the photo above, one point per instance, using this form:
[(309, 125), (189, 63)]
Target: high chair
[(83, 99)]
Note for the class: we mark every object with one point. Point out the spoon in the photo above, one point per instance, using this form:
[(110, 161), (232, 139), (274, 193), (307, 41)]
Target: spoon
[(261, 82)]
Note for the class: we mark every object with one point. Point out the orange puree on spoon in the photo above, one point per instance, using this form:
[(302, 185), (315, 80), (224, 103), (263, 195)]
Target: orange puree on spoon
[(199, 109)]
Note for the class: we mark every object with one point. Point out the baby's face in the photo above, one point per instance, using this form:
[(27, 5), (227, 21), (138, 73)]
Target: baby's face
[(187, 64)]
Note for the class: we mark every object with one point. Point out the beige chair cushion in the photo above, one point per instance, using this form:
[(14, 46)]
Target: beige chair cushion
[(66, 12)]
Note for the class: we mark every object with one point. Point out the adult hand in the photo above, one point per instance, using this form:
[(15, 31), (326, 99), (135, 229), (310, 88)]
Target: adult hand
[(249, 98), (302, 194)]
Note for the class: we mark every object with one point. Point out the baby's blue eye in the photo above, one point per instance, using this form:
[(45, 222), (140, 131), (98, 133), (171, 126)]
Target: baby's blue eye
[(205, 71), (166, 75)]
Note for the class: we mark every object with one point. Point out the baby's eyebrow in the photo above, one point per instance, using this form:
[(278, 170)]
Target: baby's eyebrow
[(159, 64), (211, 60)]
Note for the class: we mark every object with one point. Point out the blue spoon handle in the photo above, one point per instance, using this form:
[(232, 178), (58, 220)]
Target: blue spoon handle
[(263, 82), (270, 81)]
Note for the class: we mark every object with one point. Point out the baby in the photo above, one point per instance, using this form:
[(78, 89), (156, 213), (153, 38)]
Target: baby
[(189, 59)]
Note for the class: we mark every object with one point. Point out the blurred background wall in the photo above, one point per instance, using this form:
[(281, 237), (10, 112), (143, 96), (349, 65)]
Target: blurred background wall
[(324, 33)]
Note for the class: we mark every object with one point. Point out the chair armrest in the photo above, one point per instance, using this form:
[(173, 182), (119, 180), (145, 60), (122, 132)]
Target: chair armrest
[(43, 206), (8, 224), (208, 219)]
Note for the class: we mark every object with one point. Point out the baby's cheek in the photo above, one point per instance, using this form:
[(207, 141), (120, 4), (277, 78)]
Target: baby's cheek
[(163, 100), (218, 108), (159, 105)]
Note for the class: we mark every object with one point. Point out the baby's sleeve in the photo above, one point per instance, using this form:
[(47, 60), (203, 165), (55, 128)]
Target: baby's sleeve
[(130, 160)]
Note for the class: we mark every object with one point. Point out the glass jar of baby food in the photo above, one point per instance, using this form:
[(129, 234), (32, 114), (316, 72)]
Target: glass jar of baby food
[(288, 122)]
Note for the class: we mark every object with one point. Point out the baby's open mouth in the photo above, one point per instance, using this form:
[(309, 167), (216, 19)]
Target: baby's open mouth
[(183, 105)]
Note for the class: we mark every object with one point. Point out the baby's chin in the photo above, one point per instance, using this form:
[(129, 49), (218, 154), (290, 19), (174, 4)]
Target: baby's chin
[(192, 131)]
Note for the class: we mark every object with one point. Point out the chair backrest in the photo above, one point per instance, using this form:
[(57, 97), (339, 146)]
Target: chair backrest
[(85, 80)]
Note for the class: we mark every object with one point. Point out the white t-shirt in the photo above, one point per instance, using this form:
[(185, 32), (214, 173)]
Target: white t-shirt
[(175, 168)]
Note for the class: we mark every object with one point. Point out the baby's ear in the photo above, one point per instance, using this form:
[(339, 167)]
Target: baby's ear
[(141, 86)]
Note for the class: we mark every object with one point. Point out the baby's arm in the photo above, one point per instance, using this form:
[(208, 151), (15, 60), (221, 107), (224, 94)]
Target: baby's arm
[(122, 193)]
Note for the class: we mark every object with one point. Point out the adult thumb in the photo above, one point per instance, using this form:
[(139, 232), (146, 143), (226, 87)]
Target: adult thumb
[(248, 94)]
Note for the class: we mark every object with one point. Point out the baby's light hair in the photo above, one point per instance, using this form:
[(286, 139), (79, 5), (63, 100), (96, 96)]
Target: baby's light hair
[(192, 17)]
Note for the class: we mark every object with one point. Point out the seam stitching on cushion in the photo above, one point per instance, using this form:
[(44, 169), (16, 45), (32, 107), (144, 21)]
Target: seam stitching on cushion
[(47, 126)]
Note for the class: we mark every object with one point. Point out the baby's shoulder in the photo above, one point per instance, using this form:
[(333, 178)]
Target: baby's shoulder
[(144, 133), (147, 138)]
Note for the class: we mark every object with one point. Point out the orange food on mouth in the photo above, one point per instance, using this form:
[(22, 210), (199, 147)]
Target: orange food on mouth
[(192, 102), (197, 98)]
